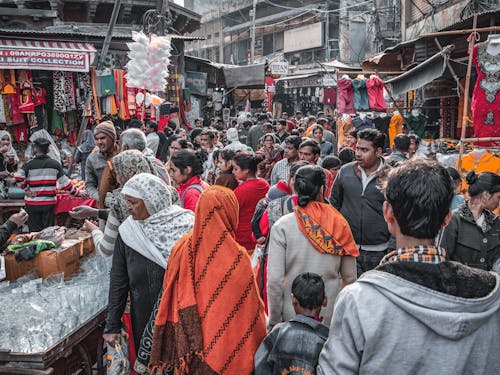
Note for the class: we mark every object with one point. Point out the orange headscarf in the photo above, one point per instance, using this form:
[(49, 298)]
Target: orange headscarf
[(326, 229), (211, 319)]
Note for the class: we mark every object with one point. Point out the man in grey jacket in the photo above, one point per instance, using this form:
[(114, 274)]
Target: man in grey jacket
[(358, 196), (416, 313)]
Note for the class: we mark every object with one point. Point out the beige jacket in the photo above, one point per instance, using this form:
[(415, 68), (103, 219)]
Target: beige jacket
[(290, 254)]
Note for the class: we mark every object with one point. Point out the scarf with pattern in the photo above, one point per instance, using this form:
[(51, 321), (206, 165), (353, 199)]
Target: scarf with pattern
[(417, 254), (211, 319)]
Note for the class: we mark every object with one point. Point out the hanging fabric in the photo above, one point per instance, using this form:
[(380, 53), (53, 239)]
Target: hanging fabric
[(375, 88), (345, 96), (382, 124), (360, 94), (485, 99), (395, 127)]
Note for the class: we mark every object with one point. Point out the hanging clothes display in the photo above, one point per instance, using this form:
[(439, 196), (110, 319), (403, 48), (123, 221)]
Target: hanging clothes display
[(395, 127), (480, 161), (375, 88), (382, 124), (362, 122), (344, 126), (329, 96), (417, 124), (360, 94), (485, 99), (345, 96)]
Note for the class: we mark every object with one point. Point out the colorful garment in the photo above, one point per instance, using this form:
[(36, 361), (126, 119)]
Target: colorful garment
[(345, 96), (360, 95), (395, 127), (417, 254), (375, 88), (211, 319), (485, 99), (326, 229)]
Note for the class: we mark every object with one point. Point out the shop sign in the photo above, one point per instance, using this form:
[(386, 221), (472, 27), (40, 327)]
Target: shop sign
[(304, 82), (279, 67), (44, 60), (196, 82), (301, 38)]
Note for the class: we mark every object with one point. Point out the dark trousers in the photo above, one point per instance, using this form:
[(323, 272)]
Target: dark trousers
[(40, 217), (368, 260)]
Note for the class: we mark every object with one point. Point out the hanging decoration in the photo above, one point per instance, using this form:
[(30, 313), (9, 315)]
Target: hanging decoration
[(149, 61)]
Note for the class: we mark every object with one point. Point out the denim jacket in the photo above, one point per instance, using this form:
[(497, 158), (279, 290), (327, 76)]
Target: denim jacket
[(291, 347)]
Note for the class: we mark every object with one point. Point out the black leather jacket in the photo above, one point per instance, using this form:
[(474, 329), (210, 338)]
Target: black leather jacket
[(291, 347), (466, 243)]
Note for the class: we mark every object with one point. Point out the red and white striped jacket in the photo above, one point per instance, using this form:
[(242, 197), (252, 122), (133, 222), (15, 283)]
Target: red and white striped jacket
[(39, 177)]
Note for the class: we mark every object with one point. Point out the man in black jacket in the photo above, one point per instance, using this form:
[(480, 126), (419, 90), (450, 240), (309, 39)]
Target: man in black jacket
[(14, 222), (358, 196)]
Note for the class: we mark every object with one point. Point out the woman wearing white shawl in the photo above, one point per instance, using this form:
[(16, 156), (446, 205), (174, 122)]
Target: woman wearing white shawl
[(141, 252), (8, 160), (53, 150)]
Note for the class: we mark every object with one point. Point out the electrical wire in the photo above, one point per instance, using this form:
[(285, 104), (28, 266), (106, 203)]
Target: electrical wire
[(321, 10), (283, 21)]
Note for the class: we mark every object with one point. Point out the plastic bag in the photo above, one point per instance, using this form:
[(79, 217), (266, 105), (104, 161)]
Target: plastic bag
[(117, 357)]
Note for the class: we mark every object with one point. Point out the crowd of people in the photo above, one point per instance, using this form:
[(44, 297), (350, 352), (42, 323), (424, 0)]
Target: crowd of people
[(270, 247)]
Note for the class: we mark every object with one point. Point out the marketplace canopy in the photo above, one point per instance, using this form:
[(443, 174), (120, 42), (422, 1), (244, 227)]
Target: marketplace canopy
[(46, 55)]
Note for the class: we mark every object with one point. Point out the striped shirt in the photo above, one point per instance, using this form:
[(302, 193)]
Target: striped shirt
[(280, 171), (40, 176), (105, 241)]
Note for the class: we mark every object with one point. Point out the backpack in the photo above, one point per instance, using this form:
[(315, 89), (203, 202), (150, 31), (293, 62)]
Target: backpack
[(194, 186)]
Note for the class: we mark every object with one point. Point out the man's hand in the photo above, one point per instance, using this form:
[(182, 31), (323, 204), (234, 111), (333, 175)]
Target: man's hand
[(83, 212), (4, 149), (19, 219), (89, 226), (83, 194), (111, 338)]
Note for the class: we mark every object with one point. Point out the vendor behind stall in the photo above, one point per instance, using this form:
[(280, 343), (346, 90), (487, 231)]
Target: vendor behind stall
[(8, 160), (39, 177)]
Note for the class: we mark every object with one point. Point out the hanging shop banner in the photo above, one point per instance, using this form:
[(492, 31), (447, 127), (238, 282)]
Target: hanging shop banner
[(197, 83), (36, 55)]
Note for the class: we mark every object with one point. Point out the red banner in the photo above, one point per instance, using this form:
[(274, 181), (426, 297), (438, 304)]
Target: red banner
[(71, 61)]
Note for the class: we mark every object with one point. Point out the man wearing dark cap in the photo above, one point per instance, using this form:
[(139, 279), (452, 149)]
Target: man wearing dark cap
[(39, 177), (105, 139)]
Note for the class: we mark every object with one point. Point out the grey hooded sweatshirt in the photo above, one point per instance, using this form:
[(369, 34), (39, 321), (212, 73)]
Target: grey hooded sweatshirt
[(385, 324)]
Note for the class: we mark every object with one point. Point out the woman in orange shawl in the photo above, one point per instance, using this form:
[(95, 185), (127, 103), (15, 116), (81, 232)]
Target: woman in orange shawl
[(315, 238), (211, 319)]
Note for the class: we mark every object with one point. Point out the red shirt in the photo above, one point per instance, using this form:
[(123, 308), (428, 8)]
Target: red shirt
[(192, 195), (345, 96), (375, 88), (248, 195)]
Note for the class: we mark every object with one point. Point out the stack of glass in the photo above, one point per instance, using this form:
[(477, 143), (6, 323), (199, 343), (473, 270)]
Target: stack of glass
[(36, 314)]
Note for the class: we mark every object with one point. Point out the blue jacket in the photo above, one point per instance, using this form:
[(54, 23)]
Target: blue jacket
[(291, 347)]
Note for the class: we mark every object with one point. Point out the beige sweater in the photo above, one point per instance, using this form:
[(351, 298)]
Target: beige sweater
[(290, 254)]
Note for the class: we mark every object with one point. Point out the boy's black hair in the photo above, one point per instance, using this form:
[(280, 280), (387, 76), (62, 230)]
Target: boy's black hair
[(153, 125), (309, 290), (420, 194), (331, 161), (402, 142), (134, 123), (376, 137), (346, 155)]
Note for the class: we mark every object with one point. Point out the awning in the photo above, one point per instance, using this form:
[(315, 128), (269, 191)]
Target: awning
[(46, 55), (422, 74), (246, 76)]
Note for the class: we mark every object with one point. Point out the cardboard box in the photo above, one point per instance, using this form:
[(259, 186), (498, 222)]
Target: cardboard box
[(87, 242), (15, 270), (65, 258)]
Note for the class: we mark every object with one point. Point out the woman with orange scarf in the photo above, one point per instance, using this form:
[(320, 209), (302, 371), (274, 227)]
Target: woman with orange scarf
[(211, 319), (314, 238)]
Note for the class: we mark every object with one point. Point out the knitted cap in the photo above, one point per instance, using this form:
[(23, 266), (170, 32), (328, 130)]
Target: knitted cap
[(107, 128), (232, 135)]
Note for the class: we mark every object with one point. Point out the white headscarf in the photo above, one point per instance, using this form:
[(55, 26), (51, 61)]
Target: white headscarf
[(155, 236), (11, 150), (53, 150)]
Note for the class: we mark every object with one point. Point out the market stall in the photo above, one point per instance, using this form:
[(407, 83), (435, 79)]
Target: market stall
[(53, 305)]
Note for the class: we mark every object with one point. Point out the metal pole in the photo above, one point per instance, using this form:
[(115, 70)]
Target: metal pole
[(109, 34), (327, 34), (466, 92), (252, 35)]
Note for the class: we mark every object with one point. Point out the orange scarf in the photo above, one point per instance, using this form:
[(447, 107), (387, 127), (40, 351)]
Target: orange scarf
[(326, 229), (211, 319)]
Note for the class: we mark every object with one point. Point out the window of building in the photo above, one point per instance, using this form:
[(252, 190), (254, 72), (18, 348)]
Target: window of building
[(216, 36), (74, 12), (45, 5), (279, 41), (268, 46), (103, 13)]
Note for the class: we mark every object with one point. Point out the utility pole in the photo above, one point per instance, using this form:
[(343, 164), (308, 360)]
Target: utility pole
[(162, 8), (252, 35), (327, 32), (109, 34)]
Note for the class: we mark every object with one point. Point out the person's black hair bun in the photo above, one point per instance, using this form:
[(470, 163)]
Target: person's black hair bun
[(471, 177)]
